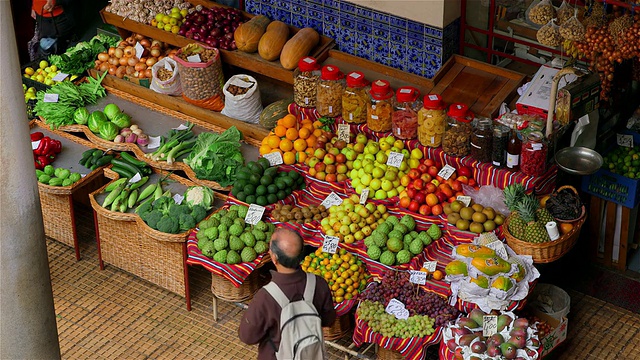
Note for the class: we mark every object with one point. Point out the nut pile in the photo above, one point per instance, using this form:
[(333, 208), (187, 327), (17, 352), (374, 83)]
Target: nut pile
[(456, 140), (564, 13), (164, 74), (549, 35), (542, 13), (572, 30), (329, 98), (238, 90), (299, 215), (305, 86), (200, 83)]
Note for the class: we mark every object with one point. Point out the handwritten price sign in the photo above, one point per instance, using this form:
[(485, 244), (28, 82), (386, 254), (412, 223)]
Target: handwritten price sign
[(364, 196), (177, 197), (430, 265), (417, 277), (344, 132), (395, 159), (330, 244), (331, 200), (489, 325), (397, 309), (446, 172), (275, 158), (625, 140), (499, 248), (254, 214)]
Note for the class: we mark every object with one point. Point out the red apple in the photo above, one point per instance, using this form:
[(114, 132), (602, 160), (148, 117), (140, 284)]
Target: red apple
[(432, 199), (414, 174), (442, 197), (330, 169), (464, 171), (462, 179), (423, 168), (429, 162), (411, 192), (331, 177), (430, 187), (405, 201), (418, 184), (341, 158), (413, 206), (426, 177), (425, 210), (456, 185), (419, 197), (329, 159), (320, 167), (433, 171), (437, 209), (472, 182)]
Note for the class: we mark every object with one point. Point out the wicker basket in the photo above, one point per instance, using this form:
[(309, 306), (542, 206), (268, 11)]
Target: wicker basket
[(387, 354), (340, 328)]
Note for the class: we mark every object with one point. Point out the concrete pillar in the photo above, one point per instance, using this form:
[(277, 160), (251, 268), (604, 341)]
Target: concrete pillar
[(27, 316)]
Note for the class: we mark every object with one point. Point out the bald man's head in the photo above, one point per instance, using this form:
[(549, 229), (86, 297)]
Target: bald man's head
[(287, 246)]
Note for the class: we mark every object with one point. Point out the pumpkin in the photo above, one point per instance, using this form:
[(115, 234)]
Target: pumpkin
[(247, 35), (298, 47), (273, 112), (272, 42)]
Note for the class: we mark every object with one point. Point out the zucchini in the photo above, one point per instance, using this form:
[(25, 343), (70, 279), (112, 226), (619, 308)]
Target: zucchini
[(88, 152), (126, 165), (103, 160), (132, 160), (123, 172), (97, 153)]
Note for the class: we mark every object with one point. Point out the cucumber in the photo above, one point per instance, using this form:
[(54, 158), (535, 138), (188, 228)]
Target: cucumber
[(104, 160), (88, 152), (97, 153), (115, 184), (123, 172), (132, 160), (125, 165)]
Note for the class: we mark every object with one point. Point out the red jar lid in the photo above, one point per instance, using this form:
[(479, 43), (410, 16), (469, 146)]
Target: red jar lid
[(460, 112), (330, 72), (308, 63), (356, 79), (407, 94), (433, 102), (381, 90)]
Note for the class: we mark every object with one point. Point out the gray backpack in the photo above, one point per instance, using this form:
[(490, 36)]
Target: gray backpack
[(300, 325)]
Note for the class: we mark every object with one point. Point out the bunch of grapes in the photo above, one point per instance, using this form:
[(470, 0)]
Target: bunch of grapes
[(387, 325), (396, 285)]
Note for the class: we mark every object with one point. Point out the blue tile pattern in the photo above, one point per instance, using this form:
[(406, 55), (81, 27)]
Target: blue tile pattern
[(404, 44)]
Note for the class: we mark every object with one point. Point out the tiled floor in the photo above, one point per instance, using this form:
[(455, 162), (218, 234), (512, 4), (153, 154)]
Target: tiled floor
[(111, 314)]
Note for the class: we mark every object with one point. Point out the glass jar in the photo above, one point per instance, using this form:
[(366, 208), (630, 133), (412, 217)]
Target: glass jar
[(380, 107), (432, 119), (457, 136), (481, 140), (404, 120), (514, 148), (330, 89), (355, 98), (534, 154), (305, 82), (500, 140)]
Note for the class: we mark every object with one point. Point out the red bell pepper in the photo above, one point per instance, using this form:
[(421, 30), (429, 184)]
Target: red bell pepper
[(43, 146), (56, 146), (37, 136)]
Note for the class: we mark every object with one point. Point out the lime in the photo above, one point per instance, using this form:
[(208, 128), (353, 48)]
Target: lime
[(271, 198), (282, 194), (249, 189), (261, 190), (266, 180), (272, 189), (264, 163), (250, 199), (261, 200)]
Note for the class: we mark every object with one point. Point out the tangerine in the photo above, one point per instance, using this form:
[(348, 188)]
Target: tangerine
[(317, 124), (304, 133), (289, 158), (264, 149), (300, 145), (291, 134), (289, 121), (301, 156), (317, 132), (280, 130), (286, 145), (438, 275), (273, 141), (312, 140), (565, 228)]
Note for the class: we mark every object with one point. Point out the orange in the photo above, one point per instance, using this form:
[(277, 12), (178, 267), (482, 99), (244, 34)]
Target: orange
[(289, 121), (289, 158), (264, 140), (292, 134), (280, 130), (264, 149), (317, 124), (311, 141), (300, 145), (301, 157), (304, 133), (317, 132), (273, 141), (565, 227), (286, 145), (438, 275), (309, 151)]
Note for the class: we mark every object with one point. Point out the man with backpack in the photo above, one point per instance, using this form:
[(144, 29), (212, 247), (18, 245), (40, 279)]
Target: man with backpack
[(285, 318)]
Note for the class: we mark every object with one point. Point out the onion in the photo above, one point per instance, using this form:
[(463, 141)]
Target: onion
[(140, 75), (113, 61), (157, 43), (118, 139), (104, 66), (131, 138), (112, 70), (121, 71), (151, 61), (118, 52), (140, 66), (122, 44), (125, 132), (129, 51), (139, 37), (123, 61), (155, 52), (130, 40), (130, 70), (145, 43), (148, 73), (111, 51), (143, 140), (103, 56), (132, 61)]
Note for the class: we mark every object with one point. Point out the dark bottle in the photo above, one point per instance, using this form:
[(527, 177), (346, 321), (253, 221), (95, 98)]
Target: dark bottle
[(514, 147)]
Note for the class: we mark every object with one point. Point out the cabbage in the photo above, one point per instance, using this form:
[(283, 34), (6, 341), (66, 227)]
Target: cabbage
[(122, 120), (81, 115), (96, 119), (108, 131), (111, 110)]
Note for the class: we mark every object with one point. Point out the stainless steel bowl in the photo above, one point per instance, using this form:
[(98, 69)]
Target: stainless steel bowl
[(578, 160)]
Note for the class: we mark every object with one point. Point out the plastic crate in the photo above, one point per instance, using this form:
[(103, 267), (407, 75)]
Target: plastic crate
[(32, 83)]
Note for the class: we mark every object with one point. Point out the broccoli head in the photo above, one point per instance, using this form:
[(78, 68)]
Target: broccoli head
[(198, 212), (175, 210), (186, 222), (144, 208), (163, 203), (152, 218), (169, 225)]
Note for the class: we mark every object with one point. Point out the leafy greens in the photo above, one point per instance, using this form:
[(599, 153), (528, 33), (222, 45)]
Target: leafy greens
[(77, 59), (215, 157)]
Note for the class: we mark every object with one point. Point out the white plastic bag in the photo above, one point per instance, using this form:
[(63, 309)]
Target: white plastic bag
[(170, 86), (246, 106)]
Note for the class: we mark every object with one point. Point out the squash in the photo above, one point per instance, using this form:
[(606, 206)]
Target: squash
[(247, 35), (298, 47), (272, 42), (273, 112)]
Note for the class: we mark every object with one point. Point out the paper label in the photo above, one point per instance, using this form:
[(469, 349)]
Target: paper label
[(167, 66), (330, 244), (397, 309), (499, 248), (330, 109), (466, 200), (446, 172), (139, 50), (536, 147), (433, 97), (51, 98), (154, 142), (364, 196), (135, 178), (417, 277), (374, 117), (624, 140), (489, 325), (254, 214), (331, 200), (405, 91), (194, 58), (178, 198), (275, 158), (60, 77), (83, 175), (181, 127), (355, 75), (35, 144), (430, 265), (308, 60), (344, 132), (395, 159)]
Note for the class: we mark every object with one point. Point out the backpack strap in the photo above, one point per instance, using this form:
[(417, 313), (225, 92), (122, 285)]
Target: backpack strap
[(276, 293), (310, 288)]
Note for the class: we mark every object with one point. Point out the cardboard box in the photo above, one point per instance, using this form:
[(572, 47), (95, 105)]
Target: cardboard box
[(557, 335)]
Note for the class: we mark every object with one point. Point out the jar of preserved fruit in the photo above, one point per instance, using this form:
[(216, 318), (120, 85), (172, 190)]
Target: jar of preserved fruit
[(432, 120), (404, 120), (482, 140), (457, 136), (305, 82), (380, 107), (355, 98), (330, 89), (500, 140), (534, 154)]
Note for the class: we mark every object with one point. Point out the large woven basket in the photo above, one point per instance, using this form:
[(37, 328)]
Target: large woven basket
[(340, 328), (387, 354), (224, 289)]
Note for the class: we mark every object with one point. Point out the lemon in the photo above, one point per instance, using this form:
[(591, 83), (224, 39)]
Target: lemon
[(40, 78), (24, 87), (43, 64), (166, 18), (184, 12), (29, 71), (48, 81), (32, 89), (53, 68), (159, 17)]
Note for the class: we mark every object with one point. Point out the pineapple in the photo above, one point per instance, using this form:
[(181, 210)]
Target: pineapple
[(543, 215), (535, 231), (513, 194), (517, 225)]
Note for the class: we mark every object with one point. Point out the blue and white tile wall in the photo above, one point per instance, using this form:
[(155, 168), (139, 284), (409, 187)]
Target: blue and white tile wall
[(387, 39)]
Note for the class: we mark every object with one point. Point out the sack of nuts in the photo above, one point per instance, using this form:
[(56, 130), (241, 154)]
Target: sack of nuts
[(165, 77), (549, 34), (201, 76), (542, 12), (242, 99)]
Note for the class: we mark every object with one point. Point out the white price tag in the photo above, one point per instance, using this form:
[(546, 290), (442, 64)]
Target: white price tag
[(355, 75), (254, 214), (405, 91), (275, 158), (178, 198), (395, 159), (489, 325), (364, 196), (446, 172), (344, 132), (417, 277), (52, 98), (397, 309), (433, 97), (194, 58), (466, 200), (167, 66), (374, 117), (430, 265), (330, 244), (331, 200), (536, 147), (499, 248), (139, 50), (624, 140), (181, 127), (60, 77), (83, 175), (308, 60), (154, 142), (135, 178), (35, 144)]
